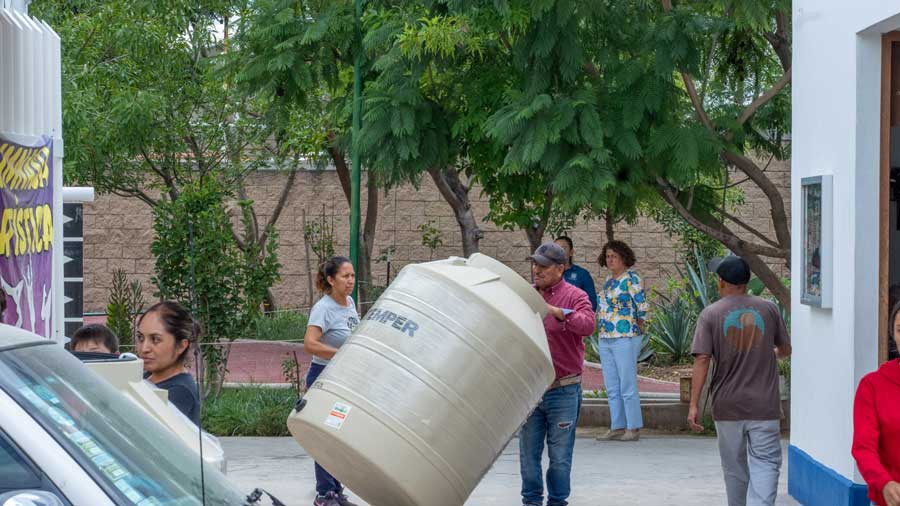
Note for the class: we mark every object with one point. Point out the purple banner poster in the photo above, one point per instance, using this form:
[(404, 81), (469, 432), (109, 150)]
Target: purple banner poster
[(26, 234)]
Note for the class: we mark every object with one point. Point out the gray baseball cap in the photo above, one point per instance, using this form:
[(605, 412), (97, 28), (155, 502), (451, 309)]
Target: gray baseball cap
[(549, 254)]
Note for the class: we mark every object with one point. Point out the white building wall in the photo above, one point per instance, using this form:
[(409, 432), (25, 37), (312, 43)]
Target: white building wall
[(836, 130)]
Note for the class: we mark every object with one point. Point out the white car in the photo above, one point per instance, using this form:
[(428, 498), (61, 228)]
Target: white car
[(68, 438), (126, 374)]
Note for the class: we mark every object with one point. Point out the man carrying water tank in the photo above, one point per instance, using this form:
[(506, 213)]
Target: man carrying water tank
[(569, 319)]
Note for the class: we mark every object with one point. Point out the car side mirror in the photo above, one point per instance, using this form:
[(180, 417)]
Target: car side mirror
[(30, 498)]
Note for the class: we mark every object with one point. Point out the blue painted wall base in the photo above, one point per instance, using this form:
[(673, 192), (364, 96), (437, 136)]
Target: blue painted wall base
[(813, 484)]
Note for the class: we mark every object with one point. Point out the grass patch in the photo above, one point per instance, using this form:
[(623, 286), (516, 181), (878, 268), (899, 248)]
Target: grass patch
[(280, 326), (249, 411)]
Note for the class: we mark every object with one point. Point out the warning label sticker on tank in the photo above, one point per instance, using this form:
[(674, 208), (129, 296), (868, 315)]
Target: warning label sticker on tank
[(338, 415)]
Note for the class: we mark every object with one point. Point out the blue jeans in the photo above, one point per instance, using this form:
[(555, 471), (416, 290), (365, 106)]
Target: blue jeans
[(618, 357), (554, 419), (325, 482)]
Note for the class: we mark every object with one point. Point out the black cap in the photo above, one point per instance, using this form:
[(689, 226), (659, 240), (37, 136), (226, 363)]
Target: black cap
[(732, 269), (549, 254)]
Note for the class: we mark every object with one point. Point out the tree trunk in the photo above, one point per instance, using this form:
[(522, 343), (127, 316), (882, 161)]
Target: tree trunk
[(258, 237), (456, 194), (751, 252), (309, 271), (535, 237), (769, 278), (368, 240), (610, 227), (364, 276), (535, 233)]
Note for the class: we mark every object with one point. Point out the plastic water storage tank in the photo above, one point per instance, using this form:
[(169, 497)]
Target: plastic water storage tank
[(431, 386)]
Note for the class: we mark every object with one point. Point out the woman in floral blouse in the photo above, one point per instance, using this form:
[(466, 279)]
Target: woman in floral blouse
[(621, 311)]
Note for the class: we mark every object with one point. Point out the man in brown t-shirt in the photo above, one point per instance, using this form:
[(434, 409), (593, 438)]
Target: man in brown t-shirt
[(745, 335)]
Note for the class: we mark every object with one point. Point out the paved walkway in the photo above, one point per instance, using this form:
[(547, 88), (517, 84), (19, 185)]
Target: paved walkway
[(659, 470)]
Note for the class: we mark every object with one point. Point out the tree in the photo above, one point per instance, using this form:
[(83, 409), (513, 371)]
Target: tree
[(605, 103), (297, 56), (438, 73), (748, 113), (199, 264), (148, 109)]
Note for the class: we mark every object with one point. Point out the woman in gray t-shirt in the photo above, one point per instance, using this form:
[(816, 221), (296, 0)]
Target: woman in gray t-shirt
[(331, 322)]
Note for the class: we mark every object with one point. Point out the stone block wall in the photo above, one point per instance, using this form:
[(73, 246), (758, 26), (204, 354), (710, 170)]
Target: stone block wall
[(118, 233)]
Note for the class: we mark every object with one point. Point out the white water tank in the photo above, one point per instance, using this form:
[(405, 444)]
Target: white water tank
[(431, 386)]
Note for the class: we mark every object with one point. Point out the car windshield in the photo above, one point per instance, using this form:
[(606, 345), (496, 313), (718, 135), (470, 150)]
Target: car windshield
[(132, 456)]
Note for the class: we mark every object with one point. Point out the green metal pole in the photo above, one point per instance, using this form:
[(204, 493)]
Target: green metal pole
[(354, 148)]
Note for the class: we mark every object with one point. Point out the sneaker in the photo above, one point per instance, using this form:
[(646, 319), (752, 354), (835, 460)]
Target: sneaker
[(329, 499), (631, 435), (612, 435), (343, 500)]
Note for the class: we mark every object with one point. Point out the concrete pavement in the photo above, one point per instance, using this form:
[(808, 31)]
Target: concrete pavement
[(659, 470)]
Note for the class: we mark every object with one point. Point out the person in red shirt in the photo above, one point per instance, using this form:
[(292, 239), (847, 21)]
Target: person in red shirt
[(876, 428), (569, 319)]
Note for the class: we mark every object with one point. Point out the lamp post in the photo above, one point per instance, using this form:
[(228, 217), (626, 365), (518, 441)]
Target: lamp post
[(354, 147)]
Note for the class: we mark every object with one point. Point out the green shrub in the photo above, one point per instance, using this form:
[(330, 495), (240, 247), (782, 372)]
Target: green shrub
[(280, 326), (703, 286), (126, 300), (595, 394), (590, 352), (672, 328), (249, 411), (200, 264)]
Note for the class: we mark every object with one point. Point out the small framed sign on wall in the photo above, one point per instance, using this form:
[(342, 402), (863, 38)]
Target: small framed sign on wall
[(816, 242)]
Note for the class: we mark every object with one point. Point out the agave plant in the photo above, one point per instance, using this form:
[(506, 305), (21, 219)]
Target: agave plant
[(703, 288), (671, 331)]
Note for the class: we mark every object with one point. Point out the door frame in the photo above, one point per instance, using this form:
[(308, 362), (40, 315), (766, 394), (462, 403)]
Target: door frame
[(887, 41)]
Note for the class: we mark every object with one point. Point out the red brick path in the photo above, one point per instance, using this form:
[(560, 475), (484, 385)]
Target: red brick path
[(261, 362)]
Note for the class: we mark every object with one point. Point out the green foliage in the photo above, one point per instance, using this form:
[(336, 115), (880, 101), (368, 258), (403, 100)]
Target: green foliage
[(596, 394), (289, 50), (319, 235), (293, 59), (249, 411), (671, 328), (689, 239), (647, 350), (126, 300), (199, 264), (784, 369), (293, 372), (144, 107), (432, 237), (590, 352), (702, 285), (709, 427), (280, 326)]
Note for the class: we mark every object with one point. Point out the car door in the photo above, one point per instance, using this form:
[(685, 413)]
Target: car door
[(32, 460), (17, 472)]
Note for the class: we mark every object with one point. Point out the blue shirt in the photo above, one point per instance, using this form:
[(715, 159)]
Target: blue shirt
[(183, 393), (581, 278)]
